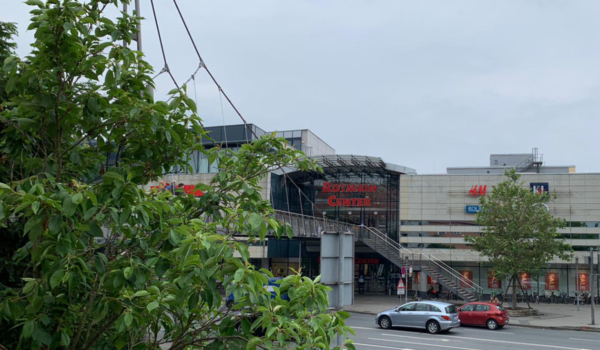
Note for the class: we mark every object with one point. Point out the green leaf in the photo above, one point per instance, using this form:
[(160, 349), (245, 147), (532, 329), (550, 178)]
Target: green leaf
[(127, 272), (255, 220), (239, 275), (56, 278), (35, 3), (124, 215), (55, 224), (67, 26), (89, 213), (153, 305), (35, 206), (65, 339), (141, 293), (29, 286), (77, 198), (28, 329), (113, 175), (127, 318), (69, 207)]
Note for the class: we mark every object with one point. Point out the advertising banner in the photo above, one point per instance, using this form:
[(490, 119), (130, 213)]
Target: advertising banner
[(466, 279), (431, 280), (493, 282), (525, 280), (551, 280), (584, 281)]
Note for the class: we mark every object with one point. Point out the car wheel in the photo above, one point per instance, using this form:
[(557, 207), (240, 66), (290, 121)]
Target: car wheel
[(492, 324), (433, 327), (385, 322)]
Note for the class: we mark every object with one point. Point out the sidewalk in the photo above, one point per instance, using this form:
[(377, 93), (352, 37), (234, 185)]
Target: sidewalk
[(551, 315)]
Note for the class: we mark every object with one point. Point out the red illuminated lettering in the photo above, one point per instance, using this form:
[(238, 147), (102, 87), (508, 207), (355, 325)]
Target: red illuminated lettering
[(326, 186), (367, 202), (331, 201)]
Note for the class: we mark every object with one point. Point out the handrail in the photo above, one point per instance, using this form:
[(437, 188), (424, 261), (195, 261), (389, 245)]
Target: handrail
[(377, 234), (478, 289)]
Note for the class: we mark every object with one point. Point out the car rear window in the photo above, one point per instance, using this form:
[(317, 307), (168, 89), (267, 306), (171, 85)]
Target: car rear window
[(500, 308), (433, 309), (451, 309)]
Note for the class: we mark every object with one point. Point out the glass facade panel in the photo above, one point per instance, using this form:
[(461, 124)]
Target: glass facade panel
[(361, 197)]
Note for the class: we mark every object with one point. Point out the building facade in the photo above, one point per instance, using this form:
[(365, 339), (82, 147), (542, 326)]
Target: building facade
[(425, 214)]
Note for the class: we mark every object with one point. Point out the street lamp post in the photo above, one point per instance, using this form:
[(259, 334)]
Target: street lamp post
[(593, 284), (577, 282)]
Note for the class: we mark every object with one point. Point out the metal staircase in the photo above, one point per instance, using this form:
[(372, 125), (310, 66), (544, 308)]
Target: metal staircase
[(432, 266), (310, 226)]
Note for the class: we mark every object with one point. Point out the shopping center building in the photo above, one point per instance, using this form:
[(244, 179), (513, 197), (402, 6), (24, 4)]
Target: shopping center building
[(425, 214)]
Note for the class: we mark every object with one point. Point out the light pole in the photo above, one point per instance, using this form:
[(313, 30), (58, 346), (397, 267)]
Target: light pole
[(593, 284), (577, 282)]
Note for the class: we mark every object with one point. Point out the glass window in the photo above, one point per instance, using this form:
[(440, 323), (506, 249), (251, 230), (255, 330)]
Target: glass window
[(467, 308), (500, 308), (408, 307), (433, 308), (451, 309), (482, 308), (297, 133), (287, 134), (422, 307)]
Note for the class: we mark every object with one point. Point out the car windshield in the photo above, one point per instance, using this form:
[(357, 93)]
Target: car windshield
[(450, 309), (500, 308)]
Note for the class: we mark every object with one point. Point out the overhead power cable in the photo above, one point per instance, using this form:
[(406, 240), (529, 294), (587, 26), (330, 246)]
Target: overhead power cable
[(166, 67), (203, 64)]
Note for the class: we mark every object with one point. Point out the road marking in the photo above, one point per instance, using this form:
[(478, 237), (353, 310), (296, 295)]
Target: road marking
[(516, 343), (380, 346), (595, 341), (413, 343), (480, 330), (371, 329), (420, 338)]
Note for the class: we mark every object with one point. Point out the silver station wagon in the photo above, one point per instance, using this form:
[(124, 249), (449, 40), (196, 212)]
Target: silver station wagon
[(434, 316)]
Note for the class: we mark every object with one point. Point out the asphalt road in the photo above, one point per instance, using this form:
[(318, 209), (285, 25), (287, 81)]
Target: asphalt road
[(370, 336)]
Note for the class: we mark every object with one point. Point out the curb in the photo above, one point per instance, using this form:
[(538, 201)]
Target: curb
[(566, 328)]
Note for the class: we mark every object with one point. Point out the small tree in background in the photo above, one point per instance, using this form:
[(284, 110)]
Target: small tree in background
[(107, 264), (518, 232)]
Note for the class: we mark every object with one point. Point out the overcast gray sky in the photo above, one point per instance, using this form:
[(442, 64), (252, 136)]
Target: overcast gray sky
[(425, 84)]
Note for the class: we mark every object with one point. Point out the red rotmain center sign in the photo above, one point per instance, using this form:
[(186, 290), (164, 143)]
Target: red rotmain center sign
[(334, 201)]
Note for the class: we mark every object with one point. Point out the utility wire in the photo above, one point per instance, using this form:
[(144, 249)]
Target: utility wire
[(225, 95), (166, 67)]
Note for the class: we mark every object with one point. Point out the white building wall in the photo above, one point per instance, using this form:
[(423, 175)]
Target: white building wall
[(433, 198)]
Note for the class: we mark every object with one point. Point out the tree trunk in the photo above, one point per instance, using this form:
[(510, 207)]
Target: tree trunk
[(505, 296), (524, 294), (514, 292)]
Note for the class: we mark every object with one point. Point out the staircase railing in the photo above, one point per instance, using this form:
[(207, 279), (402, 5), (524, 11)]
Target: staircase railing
[(311, 226), (459, 280)]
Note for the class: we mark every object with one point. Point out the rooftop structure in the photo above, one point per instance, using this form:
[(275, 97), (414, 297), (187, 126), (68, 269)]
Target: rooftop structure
[(523, 162)]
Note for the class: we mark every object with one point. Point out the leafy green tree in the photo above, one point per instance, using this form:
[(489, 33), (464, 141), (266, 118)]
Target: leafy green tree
[(109, 264), (519, 235)]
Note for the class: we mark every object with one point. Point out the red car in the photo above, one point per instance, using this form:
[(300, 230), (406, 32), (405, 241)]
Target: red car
[(491, 315)]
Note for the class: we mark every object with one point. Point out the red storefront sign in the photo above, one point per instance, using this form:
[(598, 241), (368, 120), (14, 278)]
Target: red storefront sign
[(366, 261), (334, 201), (525, 280), (466, 279), (584, 282), (431, 280), (493, 282), (189, 189), (477, 191), (551, 280)]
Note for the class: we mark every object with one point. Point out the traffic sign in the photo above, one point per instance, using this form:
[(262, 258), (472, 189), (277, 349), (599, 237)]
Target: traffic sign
[(403, 271), (400, 287), (410, 271)]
